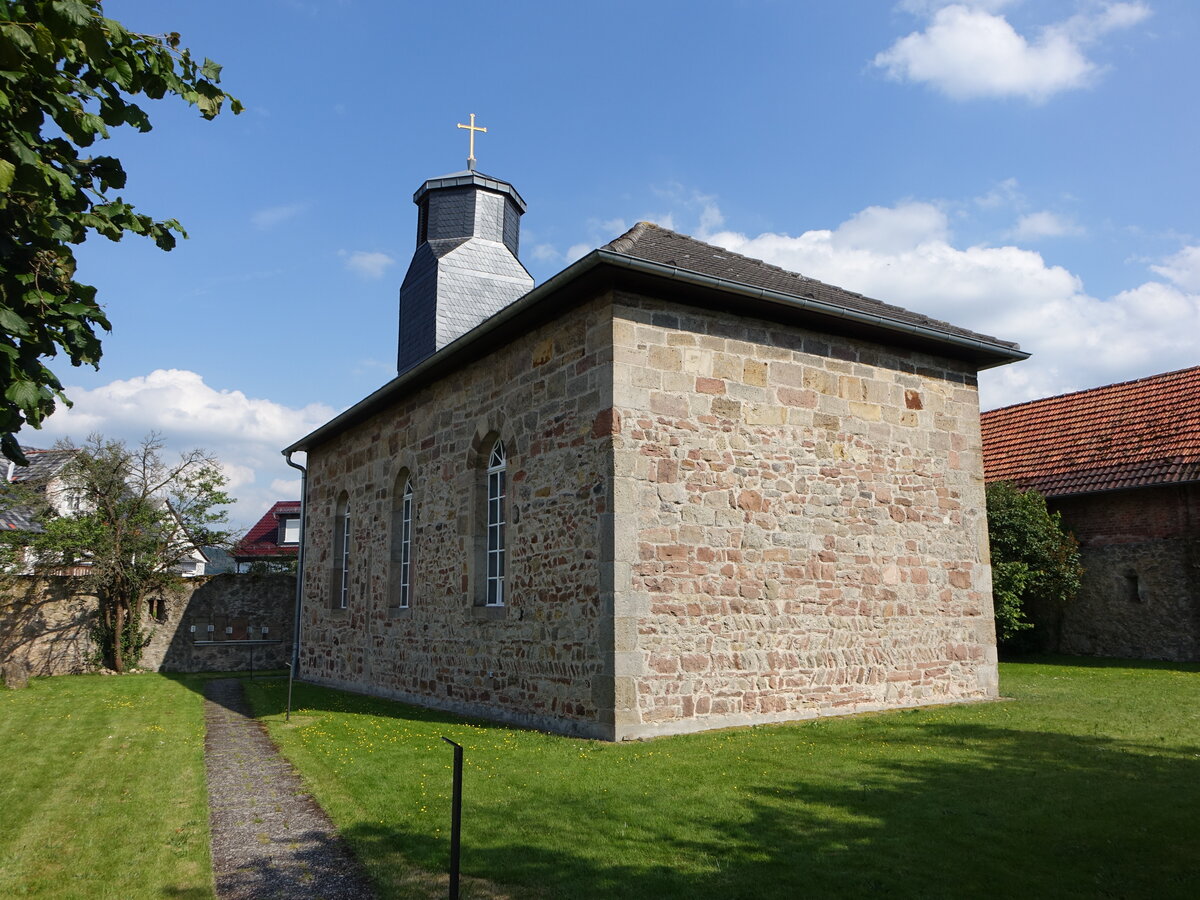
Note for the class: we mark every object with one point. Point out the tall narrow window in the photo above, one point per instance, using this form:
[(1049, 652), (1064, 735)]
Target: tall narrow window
[(406, 508), (341, 554), (497, 467)]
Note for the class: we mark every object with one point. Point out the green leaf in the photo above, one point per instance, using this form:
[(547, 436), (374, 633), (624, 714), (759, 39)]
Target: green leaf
[(7, 171), (76, 12), (25, 395), (12, 323), (16, 34)]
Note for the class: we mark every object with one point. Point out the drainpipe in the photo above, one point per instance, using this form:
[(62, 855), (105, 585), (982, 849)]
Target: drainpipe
[(299, 560)]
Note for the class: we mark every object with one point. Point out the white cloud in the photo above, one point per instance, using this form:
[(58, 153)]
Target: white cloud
[(286, 488), (246, 433), (968, 50), (905, 255), (1004, 193), (545, 253), (893, 229), (578, 251), (271, 216), (1045, 224), (1183, 268), (367, 264), (1086, 27)]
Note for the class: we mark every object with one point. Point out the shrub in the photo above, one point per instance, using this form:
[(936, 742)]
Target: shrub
[(1035, 562)]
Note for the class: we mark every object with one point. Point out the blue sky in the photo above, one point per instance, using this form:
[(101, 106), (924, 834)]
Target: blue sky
[(1026, 169)]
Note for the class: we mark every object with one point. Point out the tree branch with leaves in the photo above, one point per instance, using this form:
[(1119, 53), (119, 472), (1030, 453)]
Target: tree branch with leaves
[(67, 75)]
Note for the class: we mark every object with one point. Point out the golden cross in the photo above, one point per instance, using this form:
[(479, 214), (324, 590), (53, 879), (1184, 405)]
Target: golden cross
[(472, 128)]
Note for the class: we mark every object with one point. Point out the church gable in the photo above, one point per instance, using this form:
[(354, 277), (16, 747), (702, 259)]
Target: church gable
[(803, 515)]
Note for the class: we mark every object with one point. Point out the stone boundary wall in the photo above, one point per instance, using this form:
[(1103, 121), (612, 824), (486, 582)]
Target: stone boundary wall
[(1140, 596), (805, 519), (45, 623)]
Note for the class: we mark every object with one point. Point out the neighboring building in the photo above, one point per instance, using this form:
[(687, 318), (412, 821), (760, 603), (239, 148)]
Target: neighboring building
[(44, 476), (1122, 465), (220, 561), (272, 544), (671, 489)]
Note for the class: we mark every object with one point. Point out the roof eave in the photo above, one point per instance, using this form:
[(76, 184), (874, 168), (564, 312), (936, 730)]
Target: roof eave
[(979, 350), (985, 354)]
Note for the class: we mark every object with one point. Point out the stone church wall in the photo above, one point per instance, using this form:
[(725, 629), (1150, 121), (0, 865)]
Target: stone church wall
[(1140, 596), (805, 520), (541, 660)]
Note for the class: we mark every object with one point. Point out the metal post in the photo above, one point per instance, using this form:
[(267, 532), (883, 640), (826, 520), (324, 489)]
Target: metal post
[(251, 662), (288, 717), (455, 817)]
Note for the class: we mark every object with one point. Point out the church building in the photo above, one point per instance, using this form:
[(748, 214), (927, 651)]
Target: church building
[(670, 489)]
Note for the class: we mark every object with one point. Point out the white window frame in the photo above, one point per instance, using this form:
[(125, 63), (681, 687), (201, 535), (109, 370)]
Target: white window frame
[(344, 561), (406, 518), (284, 522), (494, 546)]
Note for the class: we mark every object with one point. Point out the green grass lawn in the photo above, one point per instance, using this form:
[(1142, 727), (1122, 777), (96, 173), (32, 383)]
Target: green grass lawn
[(102, 789), (1085, 784)]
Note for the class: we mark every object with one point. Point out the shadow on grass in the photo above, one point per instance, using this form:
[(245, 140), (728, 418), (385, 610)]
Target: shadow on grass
[(1097, 662), (994, 810)]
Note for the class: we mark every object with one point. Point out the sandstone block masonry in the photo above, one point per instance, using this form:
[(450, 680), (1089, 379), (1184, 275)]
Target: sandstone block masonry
[(800, 525), (713, 521), (544, 658)]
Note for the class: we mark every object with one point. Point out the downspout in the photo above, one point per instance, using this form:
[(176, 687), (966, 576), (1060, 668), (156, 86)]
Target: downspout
[(299, 560)]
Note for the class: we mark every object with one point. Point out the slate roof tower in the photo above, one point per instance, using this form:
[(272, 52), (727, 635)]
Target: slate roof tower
[(465, 268)]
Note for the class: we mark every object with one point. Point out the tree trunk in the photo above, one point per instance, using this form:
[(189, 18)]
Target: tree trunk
[(118, 634)]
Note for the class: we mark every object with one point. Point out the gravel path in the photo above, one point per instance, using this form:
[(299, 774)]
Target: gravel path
[(269, 837)]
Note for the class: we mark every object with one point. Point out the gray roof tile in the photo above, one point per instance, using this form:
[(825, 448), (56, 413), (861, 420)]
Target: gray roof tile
[(653, 243)]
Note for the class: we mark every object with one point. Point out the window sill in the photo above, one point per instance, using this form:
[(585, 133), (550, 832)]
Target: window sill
[(399, 612), (488, 613)]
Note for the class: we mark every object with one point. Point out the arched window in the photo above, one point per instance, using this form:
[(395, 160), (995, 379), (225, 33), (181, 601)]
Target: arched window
[(496, 471), (341, 553), (402, 544)]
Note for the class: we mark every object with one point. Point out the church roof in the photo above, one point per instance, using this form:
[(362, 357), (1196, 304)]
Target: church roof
[(470, 177), (675, 267), (651, 242), (1133, 434)]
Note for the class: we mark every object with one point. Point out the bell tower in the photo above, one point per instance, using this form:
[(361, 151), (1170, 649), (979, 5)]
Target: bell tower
[(465, 268)]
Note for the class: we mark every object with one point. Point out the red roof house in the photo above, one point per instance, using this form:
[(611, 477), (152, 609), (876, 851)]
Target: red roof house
[(274, 541), (1122, 465)]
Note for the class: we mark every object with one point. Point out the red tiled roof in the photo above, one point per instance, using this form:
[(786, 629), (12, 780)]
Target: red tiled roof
[(263, 538), (1133, 434)]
